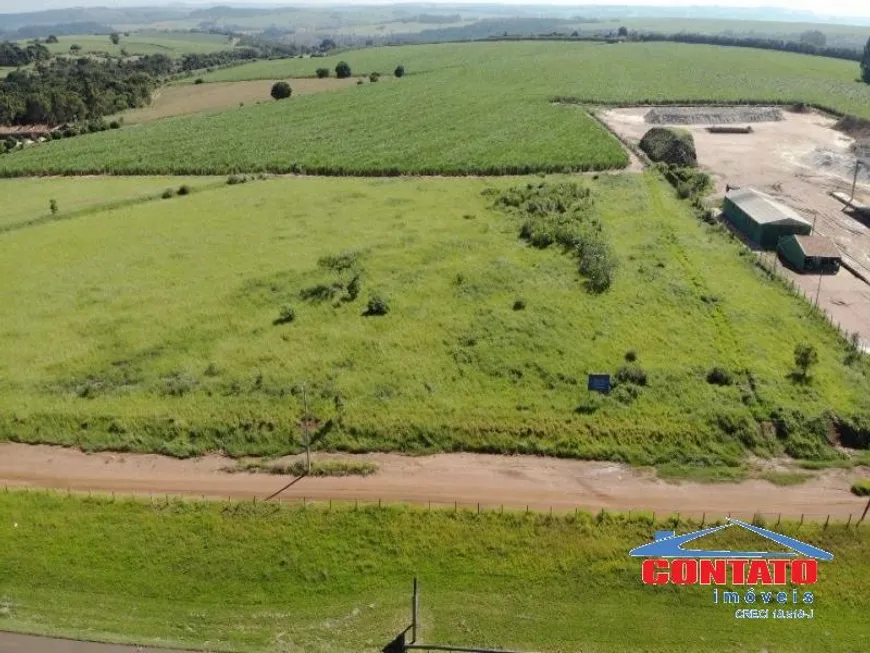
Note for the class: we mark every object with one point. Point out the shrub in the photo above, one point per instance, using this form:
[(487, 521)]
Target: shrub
[(399, 71), (861, 487), (377, 305), (631, 355), (322, 73), (232, 180), (342, 70), (719, 376), (374, 77), (168, 193), (805, 356), (519, 304), (631, 375), (281, 90), (671, 146), (359, 82), (114, 125), (52, 206), (353, 288), (184, 189), (286, 316), (199, 80)]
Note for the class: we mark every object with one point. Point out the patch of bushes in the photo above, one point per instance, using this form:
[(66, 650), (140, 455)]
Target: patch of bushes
[(322, 73), (342, 70), (519, 304), (631, 355), (374, 77), (670, 146), (168, 193), (114, 125), (631, 375), (286, 316), (232, 180), (720, 376), (184, 189), (399, 71), (377, 305), (563, 213), (861, 487), (199, 80), (318, 468)]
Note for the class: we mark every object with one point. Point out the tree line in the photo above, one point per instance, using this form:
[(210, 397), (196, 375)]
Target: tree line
[(72, 90), (800, 47), (13, 55)]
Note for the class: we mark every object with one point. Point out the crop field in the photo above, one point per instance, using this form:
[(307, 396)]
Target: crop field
[(172, 44), (471, 108), (247, 577), (183, 99), (29, 200), (162, 326)]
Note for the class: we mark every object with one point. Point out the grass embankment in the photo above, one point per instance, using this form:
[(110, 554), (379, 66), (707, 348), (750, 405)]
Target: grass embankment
[(149, 328), (254, 577), (318, 468)]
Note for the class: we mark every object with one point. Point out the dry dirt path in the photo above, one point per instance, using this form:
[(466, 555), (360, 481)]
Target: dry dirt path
[(468, 479), (15, 643)]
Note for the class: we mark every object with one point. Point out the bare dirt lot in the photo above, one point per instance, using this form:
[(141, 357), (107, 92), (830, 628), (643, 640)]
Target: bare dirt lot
[(468, 479), (181, 99), (799, 160)]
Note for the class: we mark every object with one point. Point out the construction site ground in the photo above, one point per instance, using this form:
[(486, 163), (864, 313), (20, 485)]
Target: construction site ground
[(799, 160)]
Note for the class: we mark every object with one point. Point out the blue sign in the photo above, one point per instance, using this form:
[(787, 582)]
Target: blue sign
[(599, 383)]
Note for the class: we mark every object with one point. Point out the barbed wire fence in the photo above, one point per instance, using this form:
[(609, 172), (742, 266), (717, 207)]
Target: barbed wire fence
[(850, 519)]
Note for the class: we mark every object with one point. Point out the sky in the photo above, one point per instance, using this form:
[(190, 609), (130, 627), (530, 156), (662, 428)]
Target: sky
[(821, 7)]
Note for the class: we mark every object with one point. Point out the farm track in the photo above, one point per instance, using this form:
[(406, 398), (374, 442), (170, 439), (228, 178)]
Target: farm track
[(16, 643), (466, 479)]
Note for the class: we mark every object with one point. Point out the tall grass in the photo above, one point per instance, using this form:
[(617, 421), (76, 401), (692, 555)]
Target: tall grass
[(149, 328)]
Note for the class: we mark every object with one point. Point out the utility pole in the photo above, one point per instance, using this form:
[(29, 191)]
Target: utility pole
[(855, 180), (819, 289), (305, 431)]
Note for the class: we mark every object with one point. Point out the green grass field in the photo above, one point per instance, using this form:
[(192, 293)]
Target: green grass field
[(471, 108), (172, 44), (149, 327), (28, 200), (247, 577)]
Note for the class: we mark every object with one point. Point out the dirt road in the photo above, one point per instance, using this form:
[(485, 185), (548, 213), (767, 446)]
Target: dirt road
[(512, 481), (14, 643)]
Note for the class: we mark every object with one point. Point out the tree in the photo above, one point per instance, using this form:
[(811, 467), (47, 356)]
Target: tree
[(342, 70), (327, 44), (75, 47), (865, 63), (281, 90), (400, 71), (623, 31), (815, 38), (374, 77), (51, 39), (805, 356), (322, 73), (115, 38)]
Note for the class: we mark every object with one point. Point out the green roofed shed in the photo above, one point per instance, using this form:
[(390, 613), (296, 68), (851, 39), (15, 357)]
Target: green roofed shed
[(761, 218), (811, 253)]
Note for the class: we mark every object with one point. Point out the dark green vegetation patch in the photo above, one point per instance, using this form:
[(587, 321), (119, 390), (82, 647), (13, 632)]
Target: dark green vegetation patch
[(670, 146)]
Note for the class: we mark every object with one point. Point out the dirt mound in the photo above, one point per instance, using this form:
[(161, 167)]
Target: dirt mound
[(857, 128), (841, 164), (711, 115), (672, 146)]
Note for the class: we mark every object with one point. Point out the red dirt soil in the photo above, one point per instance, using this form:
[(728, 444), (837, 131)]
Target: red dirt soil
[(468, 479)]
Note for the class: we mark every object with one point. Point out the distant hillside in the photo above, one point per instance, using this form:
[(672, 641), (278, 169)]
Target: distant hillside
[(64, 29)]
